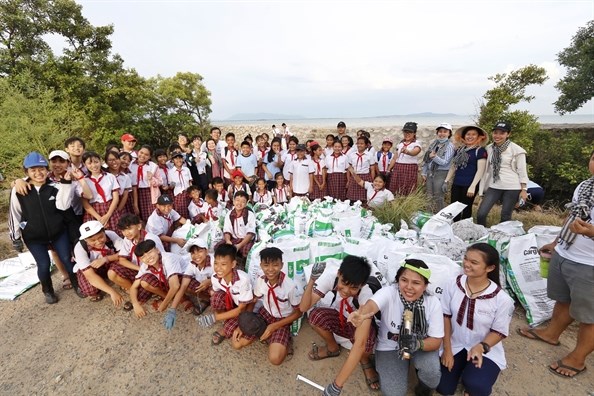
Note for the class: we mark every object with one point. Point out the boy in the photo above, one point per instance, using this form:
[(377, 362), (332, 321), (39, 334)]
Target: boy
[(75, 147), (229, 157), (196, 279), (197, 206), (96, 258), (163, 220), (301, 171), (179, 175), (163, 170), (219, 186), (232, 294), (280, 297), (158, 274), (247, 163), (240, 225), (130, 226), (238, 185), (211, 208), (350, 289), (128, 143)]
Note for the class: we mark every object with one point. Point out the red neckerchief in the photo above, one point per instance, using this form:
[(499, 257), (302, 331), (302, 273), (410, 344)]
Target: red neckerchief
[(292, 155), (210, 215), (318, 166), (272, 294), (262, 153), (384, 158), (228, 296), (346, 150), (359, 159), (98, 186), (140, 239), (166, 217), (335, 160), (470, 302), (181, 179), (159, 273), (199, 203), (261, 199), (140, 173), (233, 216), (278, 193), (165, 171), (374, 194), (223, 192), (105, 251), (344, 303), (232, 150)]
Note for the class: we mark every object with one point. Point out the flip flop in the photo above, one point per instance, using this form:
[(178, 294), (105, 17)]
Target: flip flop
[(128, 306), (535, 336), (313, 354), (217, 338), (96, 298), (566, 367)]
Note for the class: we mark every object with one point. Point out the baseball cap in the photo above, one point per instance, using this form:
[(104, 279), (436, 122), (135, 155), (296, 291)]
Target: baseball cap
[(410, 126), (341, 124), (388, 140), (444, 125), (201, 243), (503, 126), (177, 154), (252, 324), (127, 137), (59, 153), (89, 229), (164, 200), (34, 159), (236, 173), (301, 147)]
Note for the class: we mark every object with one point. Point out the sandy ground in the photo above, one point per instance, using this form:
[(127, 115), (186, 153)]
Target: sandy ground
[(79, 347)]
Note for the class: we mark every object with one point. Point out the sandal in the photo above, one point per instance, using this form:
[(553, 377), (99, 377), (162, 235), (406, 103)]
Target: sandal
[(128, 306), (217, 338), (314, 353), (66, 284), (96, 298), (560, 365), (373, 380), (200, 307)]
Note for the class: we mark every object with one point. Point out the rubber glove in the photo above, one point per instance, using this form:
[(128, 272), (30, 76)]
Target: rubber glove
[(169, 320), (206, 320), (332, 390)]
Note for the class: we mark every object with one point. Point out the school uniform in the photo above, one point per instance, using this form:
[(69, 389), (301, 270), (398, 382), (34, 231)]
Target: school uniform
[(328, 151), (318, 167), (361, 163), (141, 179), (247, 164), (163, 174), (260, 157), (102, 188), (227, 296), (377, 198), (230, 158), (334, 318), (383, 160), (287, 158), (125, 185), (264, 198), (198, 275), (281, 195), (160, 224), (336, 168), (273, 168), (405, 174), (85, 256), (213, 212), (300, 171), (182, 179), (238, 226), (195, 209), (171, 265), (233, 189), (128, 246), (472, 320), (223, 198)]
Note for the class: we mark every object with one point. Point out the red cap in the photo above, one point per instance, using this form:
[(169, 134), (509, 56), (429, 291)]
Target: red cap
[(236, 173), (126, 137)]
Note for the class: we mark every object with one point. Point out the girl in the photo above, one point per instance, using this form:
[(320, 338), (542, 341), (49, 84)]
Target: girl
[(377, 194), (262, 195), (103, 206), (477, 314), (319, 179), (162, 173), (337, 177), (288, 157), (405, 305), (362, 163), (329, 149), (273, 163), (112, 159), (125, 160), (215, 162), (404, 168), (181, 179), (505, 178), (347, 144), (143, 178), (281, 193), (436, 164), (261, 151), (384, 158), (468, 166)]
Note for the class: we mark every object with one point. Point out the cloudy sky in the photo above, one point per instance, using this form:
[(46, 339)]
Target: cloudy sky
[(344, 58)]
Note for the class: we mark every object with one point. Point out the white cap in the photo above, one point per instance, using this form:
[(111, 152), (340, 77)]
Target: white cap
[(89, 229), (59, 153), (201, 243), (444, 125)]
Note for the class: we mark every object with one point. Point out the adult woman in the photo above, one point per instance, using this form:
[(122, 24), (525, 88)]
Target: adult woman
[(436, 164), (272, 162), (404, 166), (505, 178), (477, 314), (401, 340), (184, 143), (215, 162), (196, 162), (468, 167)]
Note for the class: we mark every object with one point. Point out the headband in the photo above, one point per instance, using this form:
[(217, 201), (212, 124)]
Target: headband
[(424, 272)]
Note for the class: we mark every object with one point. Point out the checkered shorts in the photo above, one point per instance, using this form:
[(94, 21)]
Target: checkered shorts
[(355, 192), (180, 204), (336, 185), (217, 303), (317, 193), (404, 177), (102, 208), (281, 336), (123, 272), (143, 294), (145, 204), (328, 319), (84, 284)]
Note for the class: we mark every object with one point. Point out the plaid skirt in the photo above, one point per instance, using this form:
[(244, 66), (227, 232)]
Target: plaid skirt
[(260, 172), (336, 185), (84, 284), (217, 303), (317, 192), (180, 204), (404, 178), (145, 204), (355, 192), (328, 319), (102, 208)]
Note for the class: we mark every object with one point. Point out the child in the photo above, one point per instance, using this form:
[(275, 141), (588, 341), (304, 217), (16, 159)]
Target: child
[(240, 225), (363, 164), (229, 158), (301, 171), (125, 160), (197, 163), (329, 149), (336, 169), (106, 193), (163, 220), (384, 158), (97, 258), (404, 168), (238, 185), (163, 170), (214, 208), (262, 195), (272, 163), (159, 274), (181, 178), (75, 147), (196, 279), (197, 206), (347, 144), (37, 218), (319, 176), (143, 179), (377, 193), (288, 157), (219, 186), (112, 159), (128, 143), (247, 163), (261, 152), (232, 294), (281, 193), (130, 226), (280, 298)]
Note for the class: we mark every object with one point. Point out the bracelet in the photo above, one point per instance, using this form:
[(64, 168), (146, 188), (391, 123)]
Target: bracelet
[(80, 178), (421, 345)]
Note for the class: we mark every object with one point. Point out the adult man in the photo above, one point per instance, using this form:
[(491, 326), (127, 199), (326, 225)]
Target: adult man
[(215, 134), (128, 143), (341, 130)]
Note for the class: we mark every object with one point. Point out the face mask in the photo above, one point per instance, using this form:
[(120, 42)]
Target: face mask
[(443, 140)]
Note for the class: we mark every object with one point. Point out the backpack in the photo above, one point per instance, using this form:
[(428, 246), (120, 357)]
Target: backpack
[(373, 283), (379, 155)]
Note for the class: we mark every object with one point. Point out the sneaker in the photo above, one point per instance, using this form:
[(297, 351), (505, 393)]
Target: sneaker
[(50, 298)]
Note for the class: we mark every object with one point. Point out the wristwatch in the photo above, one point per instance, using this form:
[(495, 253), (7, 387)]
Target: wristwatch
[(486, 347)]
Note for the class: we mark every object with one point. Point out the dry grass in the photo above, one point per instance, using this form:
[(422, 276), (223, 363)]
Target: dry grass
[(6, 250), (402, 208), (549, 216)]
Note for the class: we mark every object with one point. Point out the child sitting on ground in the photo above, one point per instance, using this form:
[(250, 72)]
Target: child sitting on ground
[(163, 221), (262, 195), (130, 226), (240, 225), (197, 206), (232, 294), (219, 186), (281, 193), (196, 279), (214, 208), (280, 297)]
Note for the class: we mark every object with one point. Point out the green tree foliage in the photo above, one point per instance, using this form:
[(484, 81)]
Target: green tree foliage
[(577, 87), (509, 90)]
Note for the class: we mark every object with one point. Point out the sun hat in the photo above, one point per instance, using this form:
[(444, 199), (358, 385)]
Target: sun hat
[(481, 132)]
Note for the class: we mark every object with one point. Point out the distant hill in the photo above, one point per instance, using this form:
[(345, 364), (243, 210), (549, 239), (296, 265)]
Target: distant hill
[(263, 116)]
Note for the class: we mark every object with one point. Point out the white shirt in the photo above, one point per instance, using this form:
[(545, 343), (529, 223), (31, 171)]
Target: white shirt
[(405, 158), (125, 183), (247, 164), (230, 158), (181, 177), (158, 224), (300, 171), (286, 292), (239, 229), (108, 183), (318, 166), (265, 198), (128, 246), (337, 164), (221, 144), (192, 270), (84, 259), (325, 284), (383, 163), (223, 197), (287, 159), (142, 179), (388, 301), (281, 195), (172, 264), (361, 162), (195, 209), (377, 198), (239, 287), (489, 314)]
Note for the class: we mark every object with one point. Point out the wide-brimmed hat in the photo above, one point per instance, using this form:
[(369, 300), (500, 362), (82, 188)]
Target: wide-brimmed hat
[(481, 131)]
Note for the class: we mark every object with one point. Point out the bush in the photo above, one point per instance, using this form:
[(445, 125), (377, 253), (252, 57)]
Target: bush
[(402, 208)]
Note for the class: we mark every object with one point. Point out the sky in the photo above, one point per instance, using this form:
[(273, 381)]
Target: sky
[(345, 58)]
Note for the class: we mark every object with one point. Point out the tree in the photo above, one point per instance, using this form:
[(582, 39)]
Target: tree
[(577, 87), (510, 89)]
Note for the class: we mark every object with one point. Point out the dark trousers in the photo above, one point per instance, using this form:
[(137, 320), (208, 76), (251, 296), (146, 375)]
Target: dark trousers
[(61, 245), (459, 194), (477, 382)]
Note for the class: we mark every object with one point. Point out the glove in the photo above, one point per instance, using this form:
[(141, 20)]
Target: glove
[(205, 320), (332, 390), (317, 269), (409, 342), (169, 320), (444, 187), (17, 244)]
